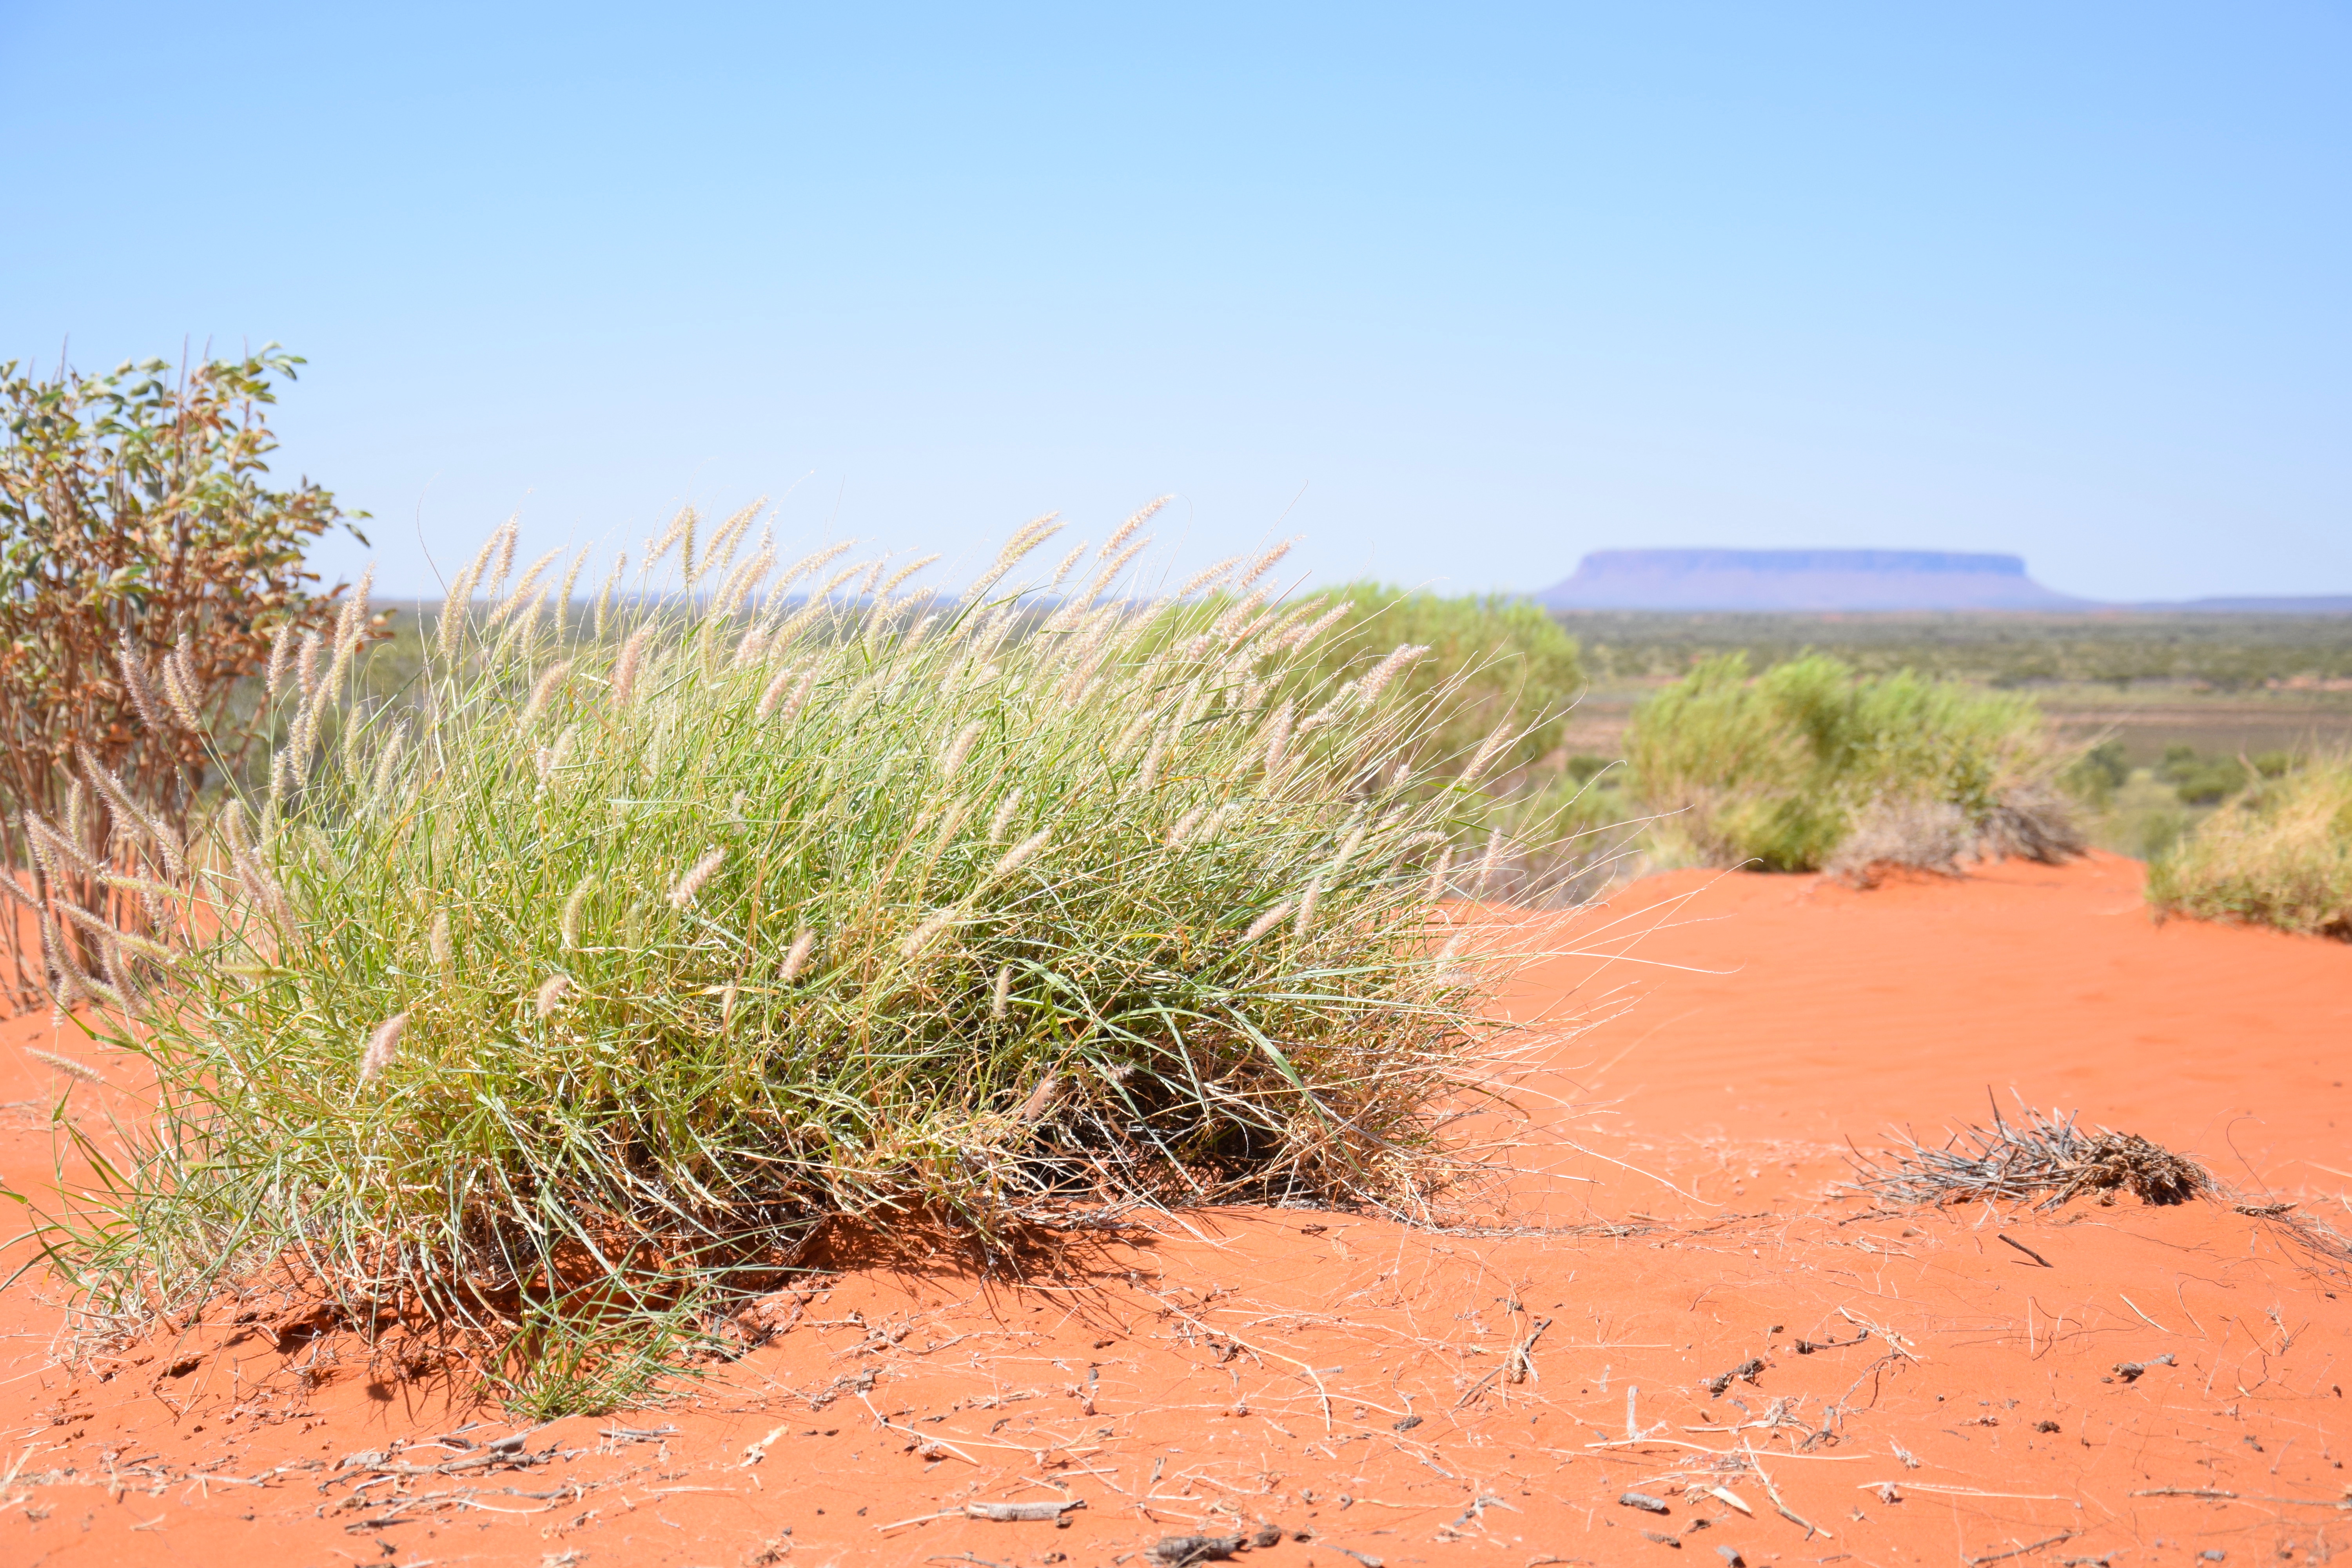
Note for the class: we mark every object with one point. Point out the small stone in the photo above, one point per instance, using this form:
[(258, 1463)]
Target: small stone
[(1644, 1502)]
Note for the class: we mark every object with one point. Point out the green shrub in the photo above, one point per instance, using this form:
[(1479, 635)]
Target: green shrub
[(1502, 661), (593, 979), (1776, 770), (2280, 855), (2099, 772), (2200, 778)]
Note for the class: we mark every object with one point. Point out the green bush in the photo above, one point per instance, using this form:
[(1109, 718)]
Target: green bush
[(2200, 778), (1502, 661), (1776, 770), (2280, 855), (589, 981)]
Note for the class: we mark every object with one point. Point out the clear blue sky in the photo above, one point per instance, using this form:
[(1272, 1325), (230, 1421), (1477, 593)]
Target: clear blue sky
[(1492, 285)]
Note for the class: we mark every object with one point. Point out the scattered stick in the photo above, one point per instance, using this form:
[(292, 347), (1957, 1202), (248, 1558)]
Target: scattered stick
[(1791, 1515), (2025, 1249), (2130, 1370), (2018, 1551)]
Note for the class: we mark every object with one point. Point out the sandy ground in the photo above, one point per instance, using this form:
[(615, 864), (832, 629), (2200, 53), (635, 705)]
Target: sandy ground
[(1905, 1386)]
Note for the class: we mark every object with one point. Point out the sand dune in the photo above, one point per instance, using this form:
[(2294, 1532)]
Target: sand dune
[(1905, 1385)]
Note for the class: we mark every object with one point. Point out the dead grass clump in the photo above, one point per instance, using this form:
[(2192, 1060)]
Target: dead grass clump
[(2047, 1158), (1912, 834)]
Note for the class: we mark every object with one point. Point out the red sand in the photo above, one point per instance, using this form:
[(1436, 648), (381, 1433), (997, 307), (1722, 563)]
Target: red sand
[(1350, 1380)]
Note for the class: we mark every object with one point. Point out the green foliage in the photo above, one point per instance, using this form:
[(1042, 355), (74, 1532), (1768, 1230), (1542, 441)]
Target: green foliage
[(2200, 779), (1773, 769), (2279, 855), (2228, 652), (2100, 772), (577, 991), (1501, 660), (147, 567)]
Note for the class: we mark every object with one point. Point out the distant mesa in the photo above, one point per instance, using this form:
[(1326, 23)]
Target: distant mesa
[(1803, 580)]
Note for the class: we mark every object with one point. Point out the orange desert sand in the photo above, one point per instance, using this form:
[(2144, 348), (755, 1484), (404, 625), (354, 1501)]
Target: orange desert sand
[(1337, 1391)]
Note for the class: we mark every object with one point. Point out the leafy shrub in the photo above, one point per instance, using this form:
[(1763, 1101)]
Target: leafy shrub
[(1775, 770), (588, 984), (147, 569), (2100, 772), (2280, 855)]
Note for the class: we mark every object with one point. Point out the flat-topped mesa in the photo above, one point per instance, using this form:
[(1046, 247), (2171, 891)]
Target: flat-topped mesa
[(1802, 580)]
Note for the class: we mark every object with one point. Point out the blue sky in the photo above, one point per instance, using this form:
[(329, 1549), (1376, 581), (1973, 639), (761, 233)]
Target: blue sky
[(1458, 293)]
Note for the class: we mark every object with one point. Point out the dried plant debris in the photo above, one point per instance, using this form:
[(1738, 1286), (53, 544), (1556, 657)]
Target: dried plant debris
[(2044, 1157)]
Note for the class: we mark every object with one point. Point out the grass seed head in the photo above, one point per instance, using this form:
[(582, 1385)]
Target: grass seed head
[(697, 878), (67, 1065), (381, 1046)]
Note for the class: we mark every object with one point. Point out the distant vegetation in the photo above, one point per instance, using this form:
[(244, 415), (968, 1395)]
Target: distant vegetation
[(1781, 770), (2228, 652), (2278, 855)]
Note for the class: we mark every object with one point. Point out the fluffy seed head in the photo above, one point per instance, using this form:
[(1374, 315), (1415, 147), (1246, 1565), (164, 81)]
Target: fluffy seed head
[(1277, 737), (624, 669), (382, 1046), (544, 688), (923, 935), (774, 694), (1125, 531), (1003, 817), (1436, 887), (575, 908), (903, 572), (443, 951), (67, 1065), (1306, 903), (1001, 1000), (961, 748), (551, 996), (1181, 834), (1388, 670), (351, 628), (1488, 751), (1265, 563), (1018, 856), (1267, 922), (306, 665), (697, 878), (1488, 862), (797, 958)]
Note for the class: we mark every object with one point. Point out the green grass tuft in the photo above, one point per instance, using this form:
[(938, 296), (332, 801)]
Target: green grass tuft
[(582, 983)]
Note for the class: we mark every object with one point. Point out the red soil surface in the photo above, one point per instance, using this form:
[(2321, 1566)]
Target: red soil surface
[(1915, 1388)]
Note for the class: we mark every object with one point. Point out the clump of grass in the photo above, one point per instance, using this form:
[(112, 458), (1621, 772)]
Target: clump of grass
[(2280, 855), (585, 984), (2047, 1158), (1778, 770)]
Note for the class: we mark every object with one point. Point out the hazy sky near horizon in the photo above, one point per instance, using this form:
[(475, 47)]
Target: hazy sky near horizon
[(1458, 293)]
